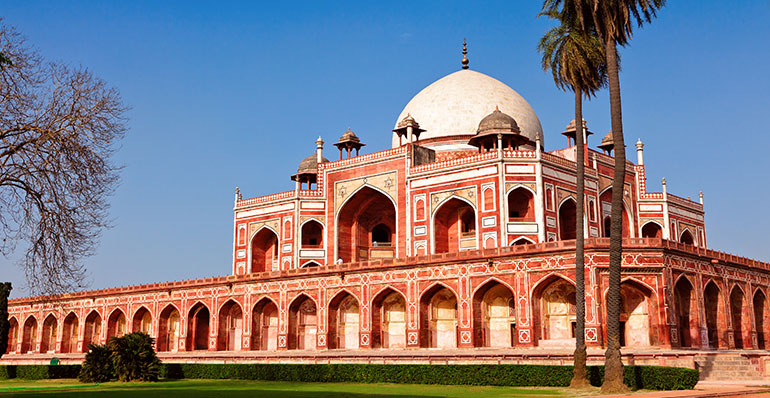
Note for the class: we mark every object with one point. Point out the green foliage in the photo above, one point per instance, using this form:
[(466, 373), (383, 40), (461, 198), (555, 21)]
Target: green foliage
[(134, 358), (5, 325), (636, 377), (97, 367), (39, 372)]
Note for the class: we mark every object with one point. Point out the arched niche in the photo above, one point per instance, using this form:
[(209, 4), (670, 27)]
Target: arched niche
[(494, 316), (69, 341), (28, 336), (605, 200), (454, 226), (652, 230), (168, 329), (230, 327), (343, 323), (264, 250), (142, 321), (555, 319), (312, 235), (567, 214), (366, 209), (264, 329), (521, 205), (713, 308), (687, 313), (303, 323), (198, 320), (50, 328), (438, 318), (389, 320), (116, 324), (93, 330)]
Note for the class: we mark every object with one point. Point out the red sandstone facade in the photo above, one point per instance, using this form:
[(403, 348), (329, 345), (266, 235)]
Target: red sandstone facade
[(420, 246)]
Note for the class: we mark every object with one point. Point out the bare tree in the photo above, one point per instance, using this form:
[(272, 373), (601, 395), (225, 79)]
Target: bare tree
[(59, 127)]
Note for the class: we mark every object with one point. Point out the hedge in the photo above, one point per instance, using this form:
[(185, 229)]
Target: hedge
[(636, 377)]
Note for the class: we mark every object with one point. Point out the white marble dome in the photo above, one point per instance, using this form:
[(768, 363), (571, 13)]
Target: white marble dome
[(455, 104)]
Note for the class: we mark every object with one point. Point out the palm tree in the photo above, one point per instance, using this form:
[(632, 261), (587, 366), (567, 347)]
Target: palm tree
[(576, 59), (613, 21)]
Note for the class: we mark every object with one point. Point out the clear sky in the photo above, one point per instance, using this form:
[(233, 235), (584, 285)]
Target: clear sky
[(227, 95)]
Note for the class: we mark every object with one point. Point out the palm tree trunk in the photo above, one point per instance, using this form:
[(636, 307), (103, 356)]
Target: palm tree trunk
[(613, 366), (580, 375)]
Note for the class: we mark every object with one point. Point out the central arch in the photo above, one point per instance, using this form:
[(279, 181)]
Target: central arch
[(48, 342), (230, 327), (142, 321), (344, 321), (366, 226), (454, 226), (198, 327), (116, 324), (438, 318), (389, 320), (264, 250), (264, 329), (494, 316), (69, 341), (93, 330), (168, 329), (303, 323)]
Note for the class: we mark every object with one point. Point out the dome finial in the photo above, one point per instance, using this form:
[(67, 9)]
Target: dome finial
[(465, 55)]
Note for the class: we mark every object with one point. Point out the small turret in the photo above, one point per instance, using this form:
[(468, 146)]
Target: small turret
[(348, 142)]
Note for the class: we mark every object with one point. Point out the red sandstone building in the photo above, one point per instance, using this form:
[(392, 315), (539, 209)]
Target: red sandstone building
[(461, 235)]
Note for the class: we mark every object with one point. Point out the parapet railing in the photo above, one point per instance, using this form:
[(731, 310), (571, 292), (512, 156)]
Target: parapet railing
[(716, 257)]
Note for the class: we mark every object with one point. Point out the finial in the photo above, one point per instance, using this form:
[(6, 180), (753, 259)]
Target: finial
[(465, 55), (497, 108), (238, 194)]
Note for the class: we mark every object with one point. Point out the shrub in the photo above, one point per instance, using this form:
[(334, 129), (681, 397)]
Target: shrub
[(5, 325), (134, 358), (97, 368)]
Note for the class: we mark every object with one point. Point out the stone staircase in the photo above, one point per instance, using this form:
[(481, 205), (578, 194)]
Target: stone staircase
[(726, 367)]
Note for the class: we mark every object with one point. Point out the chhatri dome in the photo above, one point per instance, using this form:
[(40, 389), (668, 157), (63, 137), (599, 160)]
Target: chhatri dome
[(450, 109)]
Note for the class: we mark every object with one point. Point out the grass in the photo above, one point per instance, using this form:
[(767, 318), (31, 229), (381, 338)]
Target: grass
[(259, 389)]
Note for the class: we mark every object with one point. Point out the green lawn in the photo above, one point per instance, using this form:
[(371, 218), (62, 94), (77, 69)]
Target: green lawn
[(240, 388)]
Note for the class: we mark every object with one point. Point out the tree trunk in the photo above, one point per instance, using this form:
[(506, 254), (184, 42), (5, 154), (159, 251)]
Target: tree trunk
[(613, 366), (580, 375)]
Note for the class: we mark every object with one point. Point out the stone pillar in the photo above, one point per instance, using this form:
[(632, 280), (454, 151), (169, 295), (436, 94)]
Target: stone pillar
[(214, 322), (464, 312), (364, 318), (283, 321), (525, 333), (412, 314), (322, 320), (594, 301), (59, 333)]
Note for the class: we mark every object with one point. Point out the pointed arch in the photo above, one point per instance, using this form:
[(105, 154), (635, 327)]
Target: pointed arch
[(605, 196), (50, 329), (264, 321), (264, 249), (522, 240), (759, 302), (116, 323), (686, 302), (310, 264), (303, 323), (738, 316), (343, 321), (553, 301), (198, 321), (638, 321), (142, 320), (567, 213), (454, 225), (357, 215), (438, 317), (652, 229), (686, 237), (388, 319), (29, 335), (169, 326), (493, 313), (93, 329), (69, 341), (13, 334), (230, 326), (713, 303)]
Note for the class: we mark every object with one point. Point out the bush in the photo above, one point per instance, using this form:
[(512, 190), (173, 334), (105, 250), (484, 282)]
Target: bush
[(97, 368), (134, 358), (636, 377), (39, 372)]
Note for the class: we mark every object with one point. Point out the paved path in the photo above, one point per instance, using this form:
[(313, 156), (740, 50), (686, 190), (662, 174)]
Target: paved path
[(706, 389)]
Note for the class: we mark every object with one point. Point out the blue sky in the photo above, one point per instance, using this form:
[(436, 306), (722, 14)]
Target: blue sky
[(227, 95)]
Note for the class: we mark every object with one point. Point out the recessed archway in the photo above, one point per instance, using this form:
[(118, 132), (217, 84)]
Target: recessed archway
[(736, 313), (303, 323), (713, 309), (142, 321), (687, 313), (567, 217), (198, 327), (264, 329), (13, 335), (438, 318), (389, 320), (366, 209), (230, 327), (28, 336), (652, 230), (554, 302), (454, 226), (116, 324), (168, 329), (264, 250), (344, 321), (48, 340), (93, 330), (760, 323), (521, 205), (686, 238), (494, 316), (69, 341), (312, 235), (638, 322), (605, 200)]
